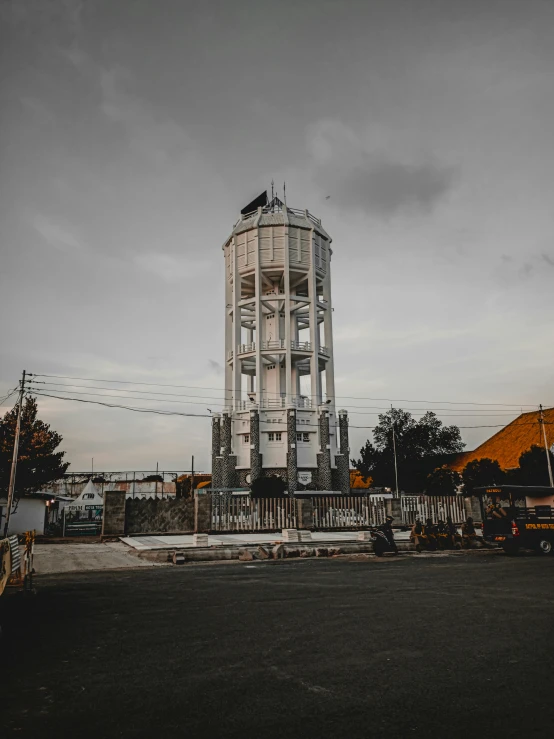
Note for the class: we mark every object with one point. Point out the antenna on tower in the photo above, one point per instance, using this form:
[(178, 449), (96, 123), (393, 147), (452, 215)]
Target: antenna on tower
[(285, 192), (272, 193)]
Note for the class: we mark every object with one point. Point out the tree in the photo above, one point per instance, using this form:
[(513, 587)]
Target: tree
[(38, 462), (533, 467), (421, 446), (482, 473), (443, 481)]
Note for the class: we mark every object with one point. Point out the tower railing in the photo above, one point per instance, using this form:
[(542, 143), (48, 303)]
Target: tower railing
[(304, 346), (246, 348), (298, 401), (277, 345)]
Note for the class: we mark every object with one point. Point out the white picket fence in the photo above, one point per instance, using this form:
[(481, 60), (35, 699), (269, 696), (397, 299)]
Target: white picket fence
[(346, 512), (242, 513), (434, 507)]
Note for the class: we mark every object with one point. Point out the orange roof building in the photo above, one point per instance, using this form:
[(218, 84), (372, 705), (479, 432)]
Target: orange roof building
[(508, 444)]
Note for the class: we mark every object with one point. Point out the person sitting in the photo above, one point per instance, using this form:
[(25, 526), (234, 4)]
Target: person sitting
[(454, 538), (470, 539), (442, 535), (417, 536), (386, 528), (469, 535), (430, 531), (495, 510)]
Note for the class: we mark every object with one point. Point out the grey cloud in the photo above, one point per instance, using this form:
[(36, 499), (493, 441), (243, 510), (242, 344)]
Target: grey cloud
[(371, 178), (215, 366), (548, 259), (56, 234), (526, 269), (386, 187)]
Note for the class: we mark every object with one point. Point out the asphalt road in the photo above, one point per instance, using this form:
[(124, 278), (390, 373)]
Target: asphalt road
[(432, 647)]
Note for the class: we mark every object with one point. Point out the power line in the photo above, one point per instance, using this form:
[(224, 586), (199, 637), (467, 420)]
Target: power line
[(462, 412), (130, 397), (127, 407), (12, 391), (350, 397), (205, 415), (123, 390)]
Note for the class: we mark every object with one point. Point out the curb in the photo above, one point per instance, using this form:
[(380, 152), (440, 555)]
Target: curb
[(248, 553)]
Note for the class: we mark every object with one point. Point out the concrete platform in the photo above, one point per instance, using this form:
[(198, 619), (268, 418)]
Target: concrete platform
[(185, 541)]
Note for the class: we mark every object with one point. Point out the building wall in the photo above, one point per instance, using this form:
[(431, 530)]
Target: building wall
[(133, 488), (29, 515)]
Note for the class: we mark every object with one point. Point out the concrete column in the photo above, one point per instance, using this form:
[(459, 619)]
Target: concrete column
[(260, 328), (202, 512), (229, 461), (324, 457), (343, 459), (217, 473), (292, 456), (216, 449), (237, 363), (314, 328), (255, 456), (113, 518), (287, 307), (328, 336)]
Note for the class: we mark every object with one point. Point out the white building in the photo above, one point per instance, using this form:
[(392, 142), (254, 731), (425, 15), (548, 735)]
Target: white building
[(279, 416), (30, 513)]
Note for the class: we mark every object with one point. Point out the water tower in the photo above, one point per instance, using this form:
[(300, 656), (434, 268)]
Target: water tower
[(279, 416)]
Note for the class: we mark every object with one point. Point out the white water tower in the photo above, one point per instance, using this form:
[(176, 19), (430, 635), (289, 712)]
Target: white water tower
[(279, 416)]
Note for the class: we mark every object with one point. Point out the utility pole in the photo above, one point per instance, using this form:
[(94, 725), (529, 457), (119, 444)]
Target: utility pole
[(192, 477), (546, 448), (11, 487), (394, 451), (157, 464)]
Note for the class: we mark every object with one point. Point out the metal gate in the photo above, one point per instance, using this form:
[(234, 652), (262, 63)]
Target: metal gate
[(437, 508)]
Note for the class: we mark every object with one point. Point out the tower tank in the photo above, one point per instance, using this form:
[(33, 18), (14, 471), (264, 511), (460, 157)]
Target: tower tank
[(279, 416)]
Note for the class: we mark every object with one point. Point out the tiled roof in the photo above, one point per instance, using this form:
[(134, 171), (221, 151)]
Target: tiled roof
[(508, 444)]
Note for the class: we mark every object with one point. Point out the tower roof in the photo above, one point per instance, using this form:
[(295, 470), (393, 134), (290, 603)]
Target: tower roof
[(277, 213)]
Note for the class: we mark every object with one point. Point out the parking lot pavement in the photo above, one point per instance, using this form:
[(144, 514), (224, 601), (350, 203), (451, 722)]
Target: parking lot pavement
[(436, 647), (57, 558)]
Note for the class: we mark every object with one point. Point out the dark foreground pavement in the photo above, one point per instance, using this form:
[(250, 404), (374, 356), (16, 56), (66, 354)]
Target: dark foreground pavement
[(448, 647)]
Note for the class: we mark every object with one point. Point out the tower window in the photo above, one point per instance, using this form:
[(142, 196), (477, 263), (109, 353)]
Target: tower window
[(246, 439), (274, 436), (306, 437)]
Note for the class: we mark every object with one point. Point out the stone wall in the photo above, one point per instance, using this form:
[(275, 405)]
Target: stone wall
[(113, 518), (159, 516)]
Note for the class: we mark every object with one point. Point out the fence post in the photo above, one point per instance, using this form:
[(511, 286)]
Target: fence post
[(113, 518), (202, 512), (305, 513)]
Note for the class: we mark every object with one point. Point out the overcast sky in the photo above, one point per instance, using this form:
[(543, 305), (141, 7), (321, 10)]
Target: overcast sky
[(132, 132)]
